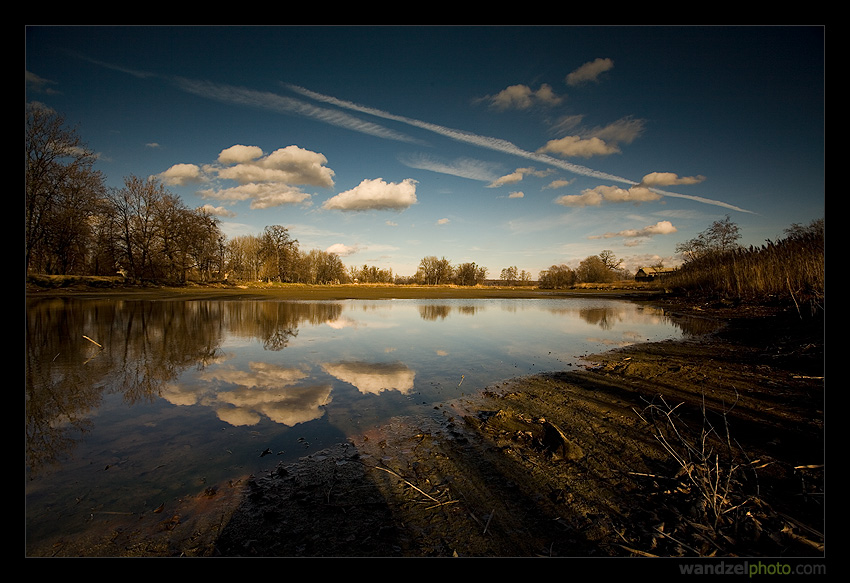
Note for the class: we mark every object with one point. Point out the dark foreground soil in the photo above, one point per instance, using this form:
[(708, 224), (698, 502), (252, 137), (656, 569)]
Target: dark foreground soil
[(712, 446)]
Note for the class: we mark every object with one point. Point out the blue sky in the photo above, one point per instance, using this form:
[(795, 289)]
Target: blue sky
[(504, 146)]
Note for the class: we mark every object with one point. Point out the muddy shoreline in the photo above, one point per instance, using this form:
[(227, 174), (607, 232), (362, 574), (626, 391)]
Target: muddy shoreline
[(554, 465)]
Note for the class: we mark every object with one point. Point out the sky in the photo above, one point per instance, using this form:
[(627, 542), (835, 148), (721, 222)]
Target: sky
[(525, 146)]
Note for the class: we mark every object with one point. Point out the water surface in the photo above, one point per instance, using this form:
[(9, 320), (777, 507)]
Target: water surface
[(132, 403)]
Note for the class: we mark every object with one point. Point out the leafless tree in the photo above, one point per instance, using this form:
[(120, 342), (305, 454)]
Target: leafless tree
[(61, 189), (720, 237)]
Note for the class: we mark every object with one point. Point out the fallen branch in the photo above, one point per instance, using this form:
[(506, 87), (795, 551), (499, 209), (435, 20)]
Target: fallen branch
[(92, 341), (409, 484)]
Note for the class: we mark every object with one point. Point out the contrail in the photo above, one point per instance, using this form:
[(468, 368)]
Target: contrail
[(263, 100), (495, 144), (281, 104)]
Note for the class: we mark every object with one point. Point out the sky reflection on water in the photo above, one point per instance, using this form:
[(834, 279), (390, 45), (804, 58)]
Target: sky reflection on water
[(129, 403)]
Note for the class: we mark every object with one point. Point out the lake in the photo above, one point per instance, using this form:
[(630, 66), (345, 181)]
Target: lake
[(133, 403)]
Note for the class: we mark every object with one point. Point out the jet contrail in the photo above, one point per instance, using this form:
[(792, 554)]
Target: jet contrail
[(496, 144), (279, 103)]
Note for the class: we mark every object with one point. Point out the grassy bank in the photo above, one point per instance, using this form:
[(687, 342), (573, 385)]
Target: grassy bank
[(42, 285)]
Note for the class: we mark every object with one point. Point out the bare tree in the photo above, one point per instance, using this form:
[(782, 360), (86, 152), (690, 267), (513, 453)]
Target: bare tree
[(509, 275), (278, 249), (435, 271), (133, 210), (720, 237), (610, 261), (61, 188)]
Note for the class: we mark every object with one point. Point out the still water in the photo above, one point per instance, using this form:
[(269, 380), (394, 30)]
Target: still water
[(131, 403)]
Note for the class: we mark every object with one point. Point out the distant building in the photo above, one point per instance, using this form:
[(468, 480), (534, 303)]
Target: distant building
[(653, 273)]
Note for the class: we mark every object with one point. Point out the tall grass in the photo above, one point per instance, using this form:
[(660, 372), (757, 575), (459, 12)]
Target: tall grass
[(791, 269)]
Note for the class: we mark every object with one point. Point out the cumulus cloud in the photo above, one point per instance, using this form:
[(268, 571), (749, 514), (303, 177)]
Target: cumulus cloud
[(218, 211), (571, 146), (598, 141), (266, 180), (239, 154), (523, 97), (375, 195), (668, 179), (557, 184), (659, 228), (613, 194), (516, 176), (588, 197), (289, 165), (589, 71), (342, 249), (516, 195), (443, 221), (635, 194), (261, 195), (182, 174)]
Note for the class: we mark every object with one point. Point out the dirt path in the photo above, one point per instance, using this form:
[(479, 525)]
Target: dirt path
[(556, 465)]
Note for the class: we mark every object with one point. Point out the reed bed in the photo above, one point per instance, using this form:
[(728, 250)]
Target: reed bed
[(791, 269)]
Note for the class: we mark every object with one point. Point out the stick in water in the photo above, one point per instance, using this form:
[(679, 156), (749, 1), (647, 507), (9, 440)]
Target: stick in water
[(92, 341)]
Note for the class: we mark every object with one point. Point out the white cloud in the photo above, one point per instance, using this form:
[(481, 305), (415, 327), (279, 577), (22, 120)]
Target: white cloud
[(516, 176), (261, 195), (375, 195), (557, 184), (614, 194), (598, 141), (659, 228), (668, 179), (517, 194), (289, 165), (239, 154), (523, 97), (267, 180), (218, 211), (569, 146), (589, 71), (182, 174), (634, 194), (443, 222), (342, 250), (511, 178), (623, 131), (588, 197)]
